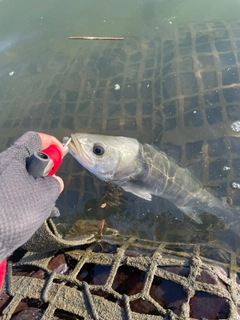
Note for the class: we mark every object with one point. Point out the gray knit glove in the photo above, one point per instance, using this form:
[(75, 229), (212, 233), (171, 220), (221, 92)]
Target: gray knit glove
[(25, 202)]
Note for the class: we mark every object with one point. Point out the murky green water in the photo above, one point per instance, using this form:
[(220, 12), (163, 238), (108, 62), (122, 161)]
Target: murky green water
[(51, 84)]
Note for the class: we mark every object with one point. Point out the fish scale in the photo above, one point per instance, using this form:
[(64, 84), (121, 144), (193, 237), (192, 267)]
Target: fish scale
[(179, 90), (144, 171)]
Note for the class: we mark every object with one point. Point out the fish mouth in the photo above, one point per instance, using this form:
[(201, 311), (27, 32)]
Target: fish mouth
[(77, 151)]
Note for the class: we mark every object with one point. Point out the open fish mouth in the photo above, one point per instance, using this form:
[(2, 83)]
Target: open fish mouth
[(76, 150), (144, 171)]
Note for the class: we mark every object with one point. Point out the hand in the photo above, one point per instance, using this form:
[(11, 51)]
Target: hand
[(25, 202)]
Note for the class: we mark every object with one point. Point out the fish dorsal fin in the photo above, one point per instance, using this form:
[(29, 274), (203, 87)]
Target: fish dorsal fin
[(141, 193), (196, 169), (192, 213)]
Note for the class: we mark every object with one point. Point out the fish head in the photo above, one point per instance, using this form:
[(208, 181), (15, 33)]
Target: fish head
[(108, 157)]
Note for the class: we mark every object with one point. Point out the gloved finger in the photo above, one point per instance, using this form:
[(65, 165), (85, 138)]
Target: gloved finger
[(22, 148), (60, 181), (48, 140)]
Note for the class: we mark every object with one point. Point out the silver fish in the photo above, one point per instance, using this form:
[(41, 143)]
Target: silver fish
[(144, 171)]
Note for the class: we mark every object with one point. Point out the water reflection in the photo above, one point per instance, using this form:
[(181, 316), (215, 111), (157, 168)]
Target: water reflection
[(175, 85)]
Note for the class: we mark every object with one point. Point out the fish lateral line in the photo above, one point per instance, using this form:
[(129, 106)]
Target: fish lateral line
[(144, 171)]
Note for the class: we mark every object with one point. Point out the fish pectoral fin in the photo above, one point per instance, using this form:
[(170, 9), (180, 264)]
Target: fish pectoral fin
[(192, 213), (141, 193), (197, 169)]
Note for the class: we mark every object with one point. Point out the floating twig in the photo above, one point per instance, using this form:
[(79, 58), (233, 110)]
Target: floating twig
[(94, 38)]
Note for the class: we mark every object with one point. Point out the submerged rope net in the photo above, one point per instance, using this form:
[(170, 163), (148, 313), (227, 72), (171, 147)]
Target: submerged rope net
[(124, 278), (191, 81)]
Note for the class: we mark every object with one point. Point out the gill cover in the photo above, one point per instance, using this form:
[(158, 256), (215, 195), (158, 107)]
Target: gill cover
[(109, 158)]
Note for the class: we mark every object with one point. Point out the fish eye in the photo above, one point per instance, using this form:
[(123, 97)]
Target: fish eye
[(98, 149)]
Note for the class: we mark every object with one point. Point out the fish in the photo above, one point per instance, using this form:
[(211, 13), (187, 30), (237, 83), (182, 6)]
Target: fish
[(144, 171)]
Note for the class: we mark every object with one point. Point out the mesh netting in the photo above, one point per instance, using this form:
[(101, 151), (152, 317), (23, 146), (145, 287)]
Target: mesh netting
[(125, 278), (175, 86), (163, 77), (179, 90)]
